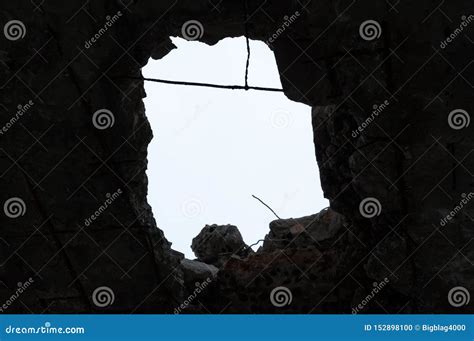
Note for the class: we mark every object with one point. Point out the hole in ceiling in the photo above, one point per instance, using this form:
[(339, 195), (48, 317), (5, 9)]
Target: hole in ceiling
[(213, 149)]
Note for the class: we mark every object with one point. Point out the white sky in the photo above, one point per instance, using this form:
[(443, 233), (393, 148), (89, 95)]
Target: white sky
[(212, 149)]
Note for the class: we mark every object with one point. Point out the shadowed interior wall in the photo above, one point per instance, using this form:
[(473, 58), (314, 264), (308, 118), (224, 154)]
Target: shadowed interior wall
[(411, 158)]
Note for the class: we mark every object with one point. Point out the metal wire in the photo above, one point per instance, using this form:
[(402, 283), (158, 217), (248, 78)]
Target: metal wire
[(245, 87), (209, 85), (247, 40)]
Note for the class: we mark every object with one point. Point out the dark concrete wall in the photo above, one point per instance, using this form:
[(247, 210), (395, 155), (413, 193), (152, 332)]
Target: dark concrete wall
[(410, 158)]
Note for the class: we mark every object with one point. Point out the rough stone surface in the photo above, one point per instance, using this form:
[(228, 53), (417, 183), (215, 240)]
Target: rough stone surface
[(215, 244), (303, 232), (409, 157), (197, 272)]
